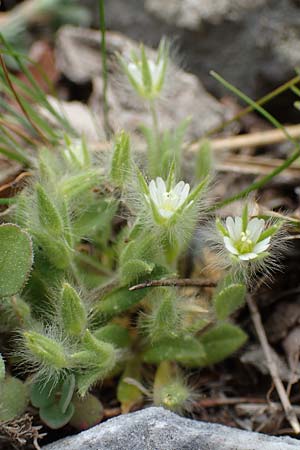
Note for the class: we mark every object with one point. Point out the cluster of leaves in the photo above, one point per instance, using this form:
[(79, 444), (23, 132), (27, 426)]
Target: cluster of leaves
[(96, 228)]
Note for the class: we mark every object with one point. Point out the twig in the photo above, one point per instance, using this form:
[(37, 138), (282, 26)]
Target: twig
[(182, 282), (212, 402), (273, 369)]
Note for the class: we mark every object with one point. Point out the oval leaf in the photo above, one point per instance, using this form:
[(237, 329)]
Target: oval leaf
[(229, 300), (220, 342)]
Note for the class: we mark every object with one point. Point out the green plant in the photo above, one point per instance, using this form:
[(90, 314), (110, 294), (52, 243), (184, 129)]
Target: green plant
[(99, 302)]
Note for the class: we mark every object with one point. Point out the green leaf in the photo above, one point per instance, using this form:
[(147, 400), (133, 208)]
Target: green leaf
[(54, 418), (220, 342), (2, 369), (128, 394), (229, 299), (114, 334), (13, 399), (118, 301), (183, 349), (67, 391), (88, 412), (43, 394), (204, 162), (133, 270), (16, 259)]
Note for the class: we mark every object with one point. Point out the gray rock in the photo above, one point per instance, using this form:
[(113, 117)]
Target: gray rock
[(192, 13), (254, 44), (78, 58), (158, 429)]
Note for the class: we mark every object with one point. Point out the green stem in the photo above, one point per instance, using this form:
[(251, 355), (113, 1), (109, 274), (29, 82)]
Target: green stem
[(264, 180), (7, 201), (262, 101), (107, 127), (154, 158)]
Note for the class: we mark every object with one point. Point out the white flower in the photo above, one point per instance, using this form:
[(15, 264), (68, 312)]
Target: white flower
[(147, 75), (167, 202), (156, 72), (75, 153), (245, 243)]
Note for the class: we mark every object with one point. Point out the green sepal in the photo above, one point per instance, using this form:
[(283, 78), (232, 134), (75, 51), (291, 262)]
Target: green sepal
[(163, 54), (245, 217), (229, 299), (54, 418), (220, 342), (221, 228), (142, 182), (16, 258), (191, 199), (186, 350), (146, 74), (171, 176), (269, 232)]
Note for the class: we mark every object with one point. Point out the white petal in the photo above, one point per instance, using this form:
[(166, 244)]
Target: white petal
[(161, 185), (248, 256), (238, 226), (178, 188), (185, 193), (153, 192), (135, 73), (229, 246), (262, 246), (255, 227), (231, 227)]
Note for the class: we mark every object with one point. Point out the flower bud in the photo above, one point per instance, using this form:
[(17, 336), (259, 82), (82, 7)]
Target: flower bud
[(170, 390), (146, 75), (46, 350), (76, 153), (73, 312)]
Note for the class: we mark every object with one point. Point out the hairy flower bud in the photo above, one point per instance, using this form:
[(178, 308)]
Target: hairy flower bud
[(46, 350), (73, 312)]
